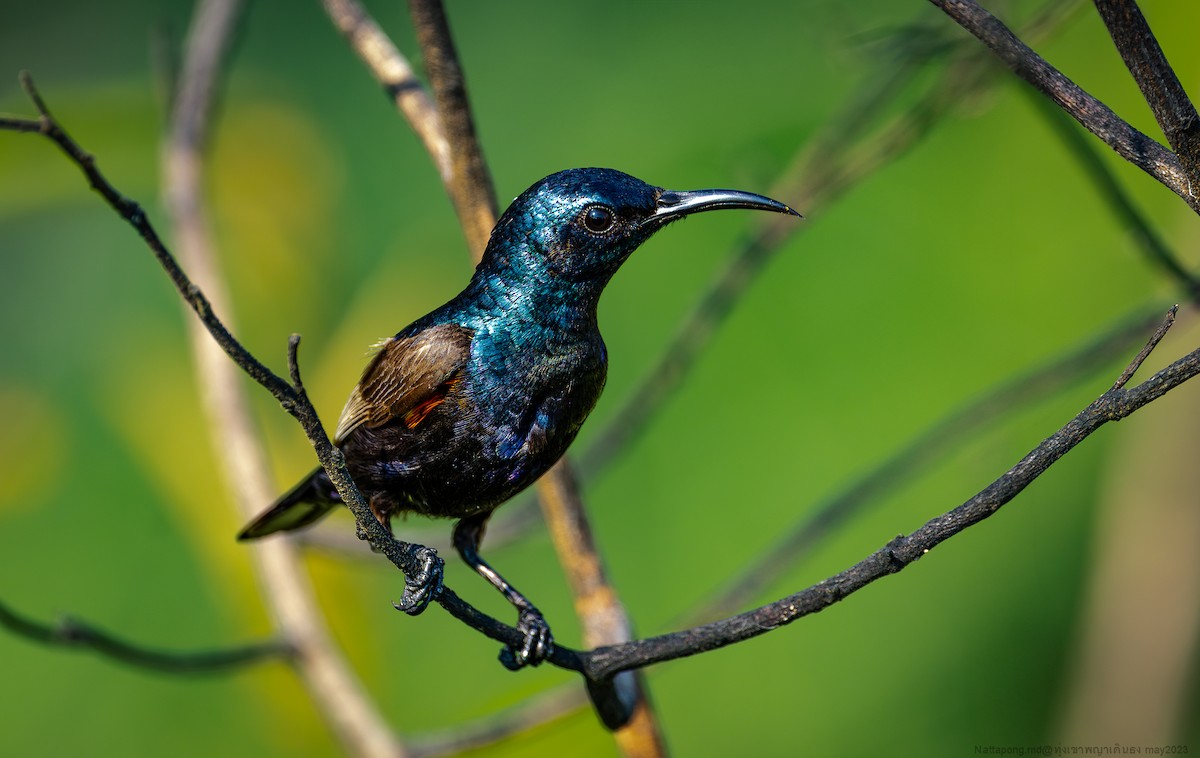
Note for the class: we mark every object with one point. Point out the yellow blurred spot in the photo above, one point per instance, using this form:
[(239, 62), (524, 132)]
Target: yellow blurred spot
[(273, 186), (32, 445)]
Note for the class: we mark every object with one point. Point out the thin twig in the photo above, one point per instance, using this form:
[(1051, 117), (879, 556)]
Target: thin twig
[(1172, 107), (1095, 116), (332, 685), (1148, 348), (294, 403), (75, 633)]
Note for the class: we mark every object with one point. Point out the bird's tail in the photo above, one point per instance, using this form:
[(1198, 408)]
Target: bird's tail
[(300, 506)]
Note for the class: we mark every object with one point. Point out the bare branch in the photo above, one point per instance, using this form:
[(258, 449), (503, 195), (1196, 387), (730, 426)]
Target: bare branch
[(1148, 348), (74, 633), (133, 214), (1160, 86), (1113, 405), (622, 700), (1094, 115)]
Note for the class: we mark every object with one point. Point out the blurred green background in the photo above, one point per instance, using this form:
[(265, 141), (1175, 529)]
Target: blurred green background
[(979, 254)]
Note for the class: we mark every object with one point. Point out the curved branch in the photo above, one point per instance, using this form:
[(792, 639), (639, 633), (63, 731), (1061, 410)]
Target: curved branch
[(622, 704), (293, 399), (75, 633), (1113, 405)]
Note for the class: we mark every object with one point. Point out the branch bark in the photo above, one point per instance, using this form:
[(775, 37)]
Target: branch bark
[(1093, 115), (1144, 58), (75, 633), (1113, 405)]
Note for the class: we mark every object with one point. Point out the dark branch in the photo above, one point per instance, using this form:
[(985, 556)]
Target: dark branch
[(1160, 86), (74, 633), (1113, 405), (1094, 115), (1144, 353)]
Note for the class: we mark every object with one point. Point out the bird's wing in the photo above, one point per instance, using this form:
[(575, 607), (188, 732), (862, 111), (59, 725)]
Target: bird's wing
[(407, 379)]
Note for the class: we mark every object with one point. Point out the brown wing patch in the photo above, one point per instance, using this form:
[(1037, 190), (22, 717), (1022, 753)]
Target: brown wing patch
[(407, 379), (418, 414)]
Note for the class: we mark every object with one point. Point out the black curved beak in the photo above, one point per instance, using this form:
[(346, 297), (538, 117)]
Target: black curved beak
[(672, 205)]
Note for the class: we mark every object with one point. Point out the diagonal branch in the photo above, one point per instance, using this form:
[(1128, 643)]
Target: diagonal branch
[(1113, 405), (1095, 116), (1144, 58), (75, 633)]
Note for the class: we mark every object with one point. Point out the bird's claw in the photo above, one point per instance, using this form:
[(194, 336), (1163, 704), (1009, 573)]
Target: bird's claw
[(537, 645), (423, 584)]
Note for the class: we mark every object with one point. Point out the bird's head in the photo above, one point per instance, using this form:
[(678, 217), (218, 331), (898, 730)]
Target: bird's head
[(580, 225)]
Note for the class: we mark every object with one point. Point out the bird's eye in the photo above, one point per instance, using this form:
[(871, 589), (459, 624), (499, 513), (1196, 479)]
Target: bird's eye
[(599, 219)]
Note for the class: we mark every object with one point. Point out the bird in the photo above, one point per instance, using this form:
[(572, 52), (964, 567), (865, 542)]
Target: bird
[(471, 403)]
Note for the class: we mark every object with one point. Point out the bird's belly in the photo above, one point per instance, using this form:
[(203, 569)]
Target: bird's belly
[(473, 452)]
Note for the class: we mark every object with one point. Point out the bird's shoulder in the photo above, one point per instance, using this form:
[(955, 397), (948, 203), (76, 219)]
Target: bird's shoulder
[(410, 375)]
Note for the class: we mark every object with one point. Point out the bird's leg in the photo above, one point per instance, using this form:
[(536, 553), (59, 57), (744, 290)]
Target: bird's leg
[(423, 577), (538, 642)]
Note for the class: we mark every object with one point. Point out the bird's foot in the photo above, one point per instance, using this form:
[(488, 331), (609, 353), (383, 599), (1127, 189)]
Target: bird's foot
[(537, 645), (424, 583)]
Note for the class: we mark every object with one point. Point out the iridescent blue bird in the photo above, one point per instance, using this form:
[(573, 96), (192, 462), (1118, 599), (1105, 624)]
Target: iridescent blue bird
[(470, 404)]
